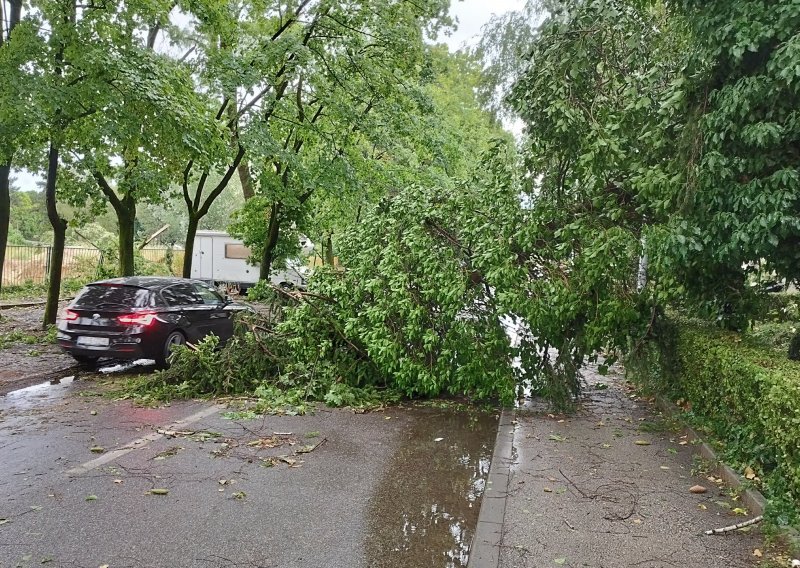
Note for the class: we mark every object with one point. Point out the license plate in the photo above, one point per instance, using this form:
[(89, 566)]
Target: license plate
[(93, 341)]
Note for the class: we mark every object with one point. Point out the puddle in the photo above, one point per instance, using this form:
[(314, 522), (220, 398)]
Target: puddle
[(29, 397), (59, 387), (123, 366), (426, 506)]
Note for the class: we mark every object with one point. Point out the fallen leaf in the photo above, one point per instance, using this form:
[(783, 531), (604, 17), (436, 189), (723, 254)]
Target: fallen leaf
[(91, 497), (739, 511), (697, 489), (97, 449), (556, 438), (701, 506), (560, 561), (605, 446), (239, 495), (547, 490), (159, 491), (749, 474), (757, 553), (665, 467), (683, 443), (93, 413), (4, 521), (637, 521), (642, 443), (117, 481)]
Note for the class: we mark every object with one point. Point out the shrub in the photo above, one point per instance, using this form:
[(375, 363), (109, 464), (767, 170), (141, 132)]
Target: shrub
[(744, 394)]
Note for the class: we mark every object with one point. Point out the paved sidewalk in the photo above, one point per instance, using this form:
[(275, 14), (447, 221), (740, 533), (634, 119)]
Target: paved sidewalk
[(607, 487)]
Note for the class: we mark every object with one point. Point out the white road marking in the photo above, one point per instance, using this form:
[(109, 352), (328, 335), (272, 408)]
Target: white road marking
[(140, 443)]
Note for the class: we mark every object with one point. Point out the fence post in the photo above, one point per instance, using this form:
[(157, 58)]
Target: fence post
[(46, 279)]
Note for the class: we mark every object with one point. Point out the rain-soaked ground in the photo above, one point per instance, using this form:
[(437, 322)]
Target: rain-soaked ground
[(426, 505), (397, 488)]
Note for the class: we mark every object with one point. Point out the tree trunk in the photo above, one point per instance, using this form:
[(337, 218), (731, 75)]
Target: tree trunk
[(14, 15), (246, 179), (126, 219), (329, 256), (191, 232), (59, 238), (5, 214), (273, 232)]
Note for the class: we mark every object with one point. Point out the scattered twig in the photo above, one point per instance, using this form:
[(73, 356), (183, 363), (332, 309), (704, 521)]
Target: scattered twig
[(566, 522), (578, 489), (737, 526), (309, 449)]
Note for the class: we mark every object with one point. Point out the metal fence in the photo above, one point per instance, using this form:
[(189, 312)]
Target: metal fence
[(30, 265)]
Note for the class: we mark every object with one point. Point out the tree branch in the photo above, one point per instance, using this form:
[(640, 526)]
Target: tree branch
[(107, 190)]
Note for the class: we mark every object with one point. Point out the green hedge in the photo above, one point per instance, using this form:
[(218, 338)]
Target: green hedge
[(747, 397)]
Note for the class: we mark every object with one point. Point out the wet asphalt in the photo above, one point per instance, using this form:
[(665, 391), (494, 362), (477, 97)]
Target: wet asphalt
[(86, 482), (608, 487)]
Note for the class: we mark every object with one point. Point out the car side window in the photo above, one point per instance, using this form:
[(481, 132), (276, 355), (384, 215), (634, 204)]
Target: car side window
[(209, 296), (181, 295)]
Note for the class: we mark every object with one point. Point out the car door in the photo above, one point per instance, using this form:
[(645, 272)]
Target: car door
[(195, 320), (220, 321)]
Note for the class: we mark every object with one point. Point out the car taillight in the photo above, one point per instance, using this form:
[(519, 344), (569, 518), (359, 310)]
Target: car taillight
[(142, 318), (69, 315)]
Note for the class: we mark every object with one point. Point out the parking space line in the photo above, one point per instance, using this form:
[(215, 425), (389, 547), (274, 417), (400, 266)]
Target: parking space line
[(140, 443)]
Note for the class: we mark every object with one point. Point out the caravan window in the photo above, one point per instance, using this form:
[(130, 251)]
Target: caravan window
[(237, 251)]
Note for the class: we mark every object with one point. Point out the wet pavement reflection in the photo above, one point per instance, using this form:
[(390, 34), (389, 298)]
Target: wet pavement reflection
[(426, 506)]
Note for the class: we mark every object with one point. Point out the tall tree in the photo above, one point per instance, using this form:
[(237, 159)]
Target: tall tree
[(135, 148), (351, 64), (11, 12)]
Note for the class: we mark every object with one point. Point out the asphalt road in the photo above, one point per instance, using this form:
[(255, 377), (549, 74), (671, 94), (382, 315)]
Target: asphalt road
[(88, 482)]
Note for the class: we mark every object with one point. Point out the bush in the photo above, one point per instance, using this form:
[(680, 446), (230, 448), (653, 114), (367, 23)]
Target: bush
[(773, 335), (742, 393), (781, 307)]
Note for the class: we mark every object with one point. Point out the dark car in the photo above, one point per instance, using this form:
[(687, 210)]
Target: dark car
[(142, 318)]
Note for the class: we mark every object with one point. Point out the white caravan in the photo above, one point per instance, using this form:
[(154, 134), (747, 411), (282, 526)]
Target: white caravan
[(219, 258)]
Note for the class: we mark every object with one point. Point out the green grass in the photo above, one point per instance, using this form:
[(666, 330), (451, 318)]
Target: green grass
[(20, 337)]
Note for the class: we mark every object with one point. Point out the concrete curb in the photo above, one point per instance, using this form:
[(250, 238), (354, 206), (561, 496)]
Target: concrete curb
[(751, 498), (485, 549)]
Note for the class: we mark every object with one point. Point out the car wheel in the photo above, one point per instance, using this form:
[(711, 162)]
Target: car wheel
[(85, 360), (173, 340)]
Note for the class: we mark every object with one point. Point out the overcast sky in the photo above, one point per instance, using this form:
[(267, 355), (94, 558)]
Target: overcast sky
[(471, 16)]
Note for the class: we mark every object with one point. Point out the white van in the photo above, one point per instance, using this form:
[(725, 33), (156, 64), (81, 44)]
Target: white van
[(221, 259)]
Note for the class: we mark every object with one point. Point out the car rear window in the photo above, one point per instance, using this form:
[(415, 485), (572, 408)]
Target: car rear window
[(109, 296)]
